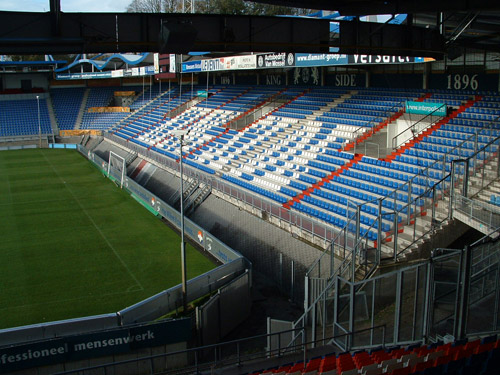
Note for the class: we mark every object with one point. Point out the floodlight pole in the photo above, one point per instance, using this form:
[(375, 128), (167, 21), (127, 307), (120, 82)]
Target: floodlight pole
[(183, 243), (39, 125)]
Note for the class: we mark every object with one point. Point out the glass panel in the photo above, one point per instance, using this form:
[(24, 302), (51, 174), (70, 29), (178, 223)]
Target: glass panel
[(408, 304), (446, 272), (363, 314), (384, 314), (343, 301), (420, 303)]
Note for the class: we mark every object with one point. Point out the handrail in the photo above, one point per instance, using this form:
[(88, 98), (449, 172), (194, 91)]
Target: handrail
[(482, 212), (486, 239), (393, 142), (238, 359), (373, 123), (427, 193)]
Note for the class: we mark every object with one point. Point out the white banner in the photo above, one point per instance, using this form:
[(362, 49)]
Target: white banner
[(172, 63), (156, 63), (229, 63)]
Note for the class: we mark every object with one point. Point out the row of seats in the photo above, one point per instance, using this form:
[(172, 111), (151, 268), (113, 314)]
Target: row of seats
[(264, 138), (495, 199), (20, 118), (481, 357), (280, 157), (66, 103)]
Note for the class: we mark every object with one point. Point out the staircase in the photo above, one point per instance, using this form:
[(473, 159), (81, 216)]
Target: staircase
[(378, 134), (412, 237), (481, 208), (52, 116), (81, 112), (192, 185), (85, 139), (130, 157), (126, 119), (368, 135), (324, 180), (410, 143), (197, 197), (326, 108)]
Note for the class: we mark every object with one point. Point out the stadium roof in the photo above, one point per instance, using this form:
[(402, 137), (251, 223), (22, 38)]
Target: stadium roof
[(473, 24), (431, 28), (366, 7)]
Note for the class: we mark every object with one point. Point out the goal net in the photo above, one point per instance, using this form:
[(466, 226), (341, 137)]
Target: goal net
[(116, 168)]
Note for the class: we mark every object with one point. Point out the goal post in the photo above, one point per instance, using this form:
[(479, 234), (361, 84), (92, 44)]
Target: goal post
[(117, 167)]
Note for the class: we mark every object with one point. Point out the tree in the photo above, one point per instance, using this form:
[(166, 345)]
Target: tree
[(67, 58), (240, 7), (145, 6), (26, 57), (234, 7), (260, 9), (172, 6)]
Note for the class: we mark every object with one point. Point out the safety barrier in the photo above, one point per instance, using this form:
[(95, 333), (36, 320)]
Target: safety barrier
[(233, 265)]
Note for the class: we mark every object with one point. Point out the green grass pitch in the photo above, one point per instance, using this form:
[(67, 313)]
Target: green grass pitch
[(73, 244)]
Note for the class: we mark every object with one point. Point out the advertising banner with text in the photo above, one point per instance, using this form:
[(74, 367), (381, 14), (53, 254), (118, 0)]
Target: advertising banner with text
[(385, 59), (426, 108), (134, 72), (108, 109), (320, 59), (275, 60), (105, 343)]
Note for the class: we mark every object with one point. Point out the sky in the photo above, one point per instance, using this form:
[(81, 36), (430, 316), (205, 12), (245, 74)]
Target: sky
[(66, 5)]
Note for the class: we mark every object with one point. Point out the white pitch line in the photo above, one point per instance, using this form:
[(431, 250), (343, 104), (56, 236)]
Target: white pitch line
[(12, 203), (69, 299), (97, 227)]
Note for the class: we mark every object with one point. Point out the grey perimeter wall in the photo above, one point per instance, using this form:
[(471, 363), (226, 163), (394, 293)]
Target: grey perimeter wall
[(270, 249), (137, 367)]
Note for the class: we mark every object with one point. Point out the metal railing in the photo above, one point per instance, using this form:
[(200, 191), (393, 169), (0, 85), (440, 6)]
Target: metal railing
[(229, 354), (317, 232), (423, 192), (155, 306), (372, 124), (476, 211), (205, 358), (259, 109), (400, 207), (415, 128)]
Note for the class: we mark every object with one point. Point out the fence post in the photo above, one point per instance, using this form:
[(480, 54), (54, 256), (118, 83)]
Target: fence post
[(280, 274), (466, 178), (279, 344), (350, 337), (495, 310), (452, 189), (463, 302), (433, 216), (415, 207), (306, 295), (269, 337), (498, 161), (395, 232), (332, 257), (324, 320), (408, 221), (427, 300), (476, 136), (379, 231), (397, 318), (313, 325)]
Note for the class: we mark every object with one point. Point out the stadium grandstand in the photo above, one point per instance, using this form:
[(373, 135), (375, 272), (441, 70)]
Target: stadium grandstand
[(349, 199)]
